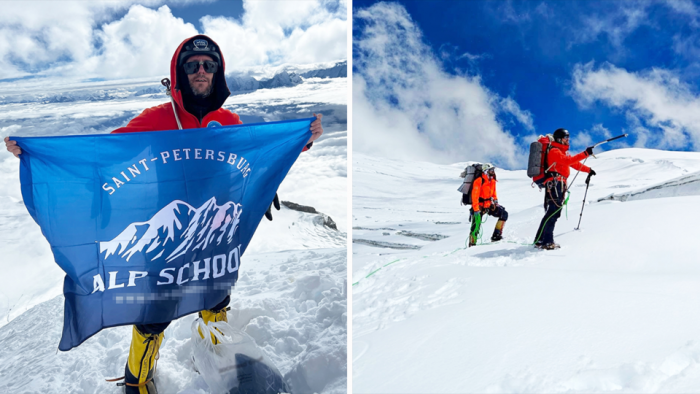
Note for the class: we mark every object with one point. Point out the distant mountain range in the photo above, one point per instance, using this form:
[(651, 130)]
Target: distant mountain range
[(237, 83), (285, 78)]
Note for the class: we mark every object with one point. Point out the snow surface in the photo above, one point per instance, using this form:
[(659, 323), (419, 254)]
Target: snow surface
[(613, 310), (291, 294)]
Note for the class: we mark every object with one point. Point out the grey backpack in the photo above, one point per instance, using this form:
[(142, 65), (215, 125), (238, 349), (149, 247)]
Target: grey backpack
[(470, 173)]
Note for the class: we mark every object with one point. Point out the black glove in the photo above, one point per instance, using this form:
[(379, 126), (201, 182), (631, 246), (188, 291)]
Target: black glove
[(588, 178), (276, 203), (589, 150)]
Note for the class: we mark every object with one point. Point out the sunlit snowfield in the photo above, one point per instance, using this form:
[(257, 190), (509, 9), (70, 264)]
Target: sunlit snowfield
[(291, 295), (614, 310)]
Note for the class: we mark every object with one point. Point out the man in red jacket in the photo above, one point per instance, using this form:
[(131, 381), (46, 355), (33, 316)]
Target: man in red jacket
[(559, 165), (485, 202), (198, 91)]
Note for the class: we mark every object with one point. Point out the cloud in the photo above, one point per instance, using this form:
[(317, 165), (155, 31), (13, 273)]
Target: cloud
[(82, 38), (684, 7), (545, 11), (129, 49), (616, 24), (510, 106), (36, 36), (405, 106), (663, 109), (587, 138), (471, 57), (381, 130), (510, 14), (282, 32)]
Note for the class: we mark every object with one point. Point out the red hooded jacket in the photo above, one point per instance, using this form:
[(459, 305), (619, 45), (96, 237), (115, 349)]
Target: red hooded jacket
[(559, 161), (161, 117)]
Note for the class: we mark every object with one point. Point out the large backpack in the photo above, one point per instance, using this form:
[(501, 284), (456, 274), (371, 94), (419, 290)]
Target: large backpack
[(537, 166), (469, 174)]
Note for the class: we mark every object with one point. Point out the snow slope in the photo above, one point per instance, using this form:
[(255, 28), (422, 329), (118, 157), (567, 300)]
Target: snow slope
[(613, 310), (293, 304), (291, 294)]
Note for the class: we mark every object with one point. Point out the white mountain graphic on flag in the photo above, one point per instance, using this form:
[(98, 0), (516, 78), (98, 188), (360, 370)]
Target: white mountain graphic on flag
[(176, 229)]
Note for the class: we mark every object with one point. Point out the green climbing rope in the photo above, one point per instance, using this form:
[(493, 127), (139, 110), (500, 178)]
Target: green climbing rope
[(375, 271)]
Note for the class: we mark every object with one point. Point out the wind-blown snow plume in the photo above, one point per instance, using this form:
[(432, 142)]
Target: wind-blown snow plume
[(406, 106)]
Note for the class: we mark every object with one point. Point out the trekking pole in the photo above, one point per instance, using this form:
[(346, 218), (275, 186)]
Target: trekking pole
[(166, 82), (588, 180)]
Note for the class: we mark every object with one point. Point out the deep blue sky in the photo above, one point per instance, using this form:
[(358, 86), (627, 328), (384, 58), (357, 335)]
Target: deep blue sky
[(193, 12), (528, 50)]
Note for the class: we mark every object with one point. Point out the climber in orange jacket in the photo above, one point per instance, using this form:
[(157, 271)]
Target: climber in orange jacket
[(485, 202)]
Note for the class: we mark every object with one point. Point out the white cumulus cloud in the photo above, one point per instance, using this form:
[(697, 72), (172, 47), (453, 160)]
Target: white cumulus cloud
[(39, 35), (664, 110), (587, 138), (276, 32), (129, 47), (85, 39), (406, 107)]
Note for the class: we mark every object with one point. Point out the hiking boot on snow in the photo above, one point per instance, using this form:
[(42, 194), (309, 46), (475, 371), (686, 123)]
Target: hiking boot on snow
[(141, 364), (549, 246), (497, 235)]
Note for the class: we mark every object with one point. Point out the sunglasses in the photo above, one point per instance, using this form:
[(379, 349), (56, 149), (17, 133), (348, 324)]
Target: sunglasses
[(193, 67)]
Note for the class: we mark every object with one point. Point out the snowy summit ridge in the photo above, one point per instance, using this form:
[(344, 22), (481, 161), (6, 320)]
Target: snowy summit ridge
[(175, 230)]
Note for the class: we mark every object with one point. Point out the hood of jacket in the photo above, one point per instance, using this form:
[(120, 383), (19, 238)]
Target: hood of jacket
[(562, 147), (180, 84)]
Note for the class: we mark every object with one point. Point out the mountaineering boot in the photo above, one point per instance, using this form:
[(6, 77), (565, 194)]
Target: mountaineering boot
[(551, 246), (141, 364), (213, 316), (498, 231)]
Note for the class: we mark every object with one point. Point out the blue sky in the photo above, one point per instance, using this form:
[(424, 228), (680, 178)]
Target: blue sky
[(192, 12), (597, 68), (136, 38)]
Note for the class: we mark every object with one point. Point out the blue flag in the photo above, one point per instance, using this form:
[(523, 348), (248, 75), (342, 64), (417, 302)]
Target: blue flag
[(151, 226)]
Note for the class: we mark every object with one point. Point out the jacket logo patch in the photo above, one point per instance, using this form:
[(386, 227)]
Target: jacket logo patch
[(201, 45), (213, 123)]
